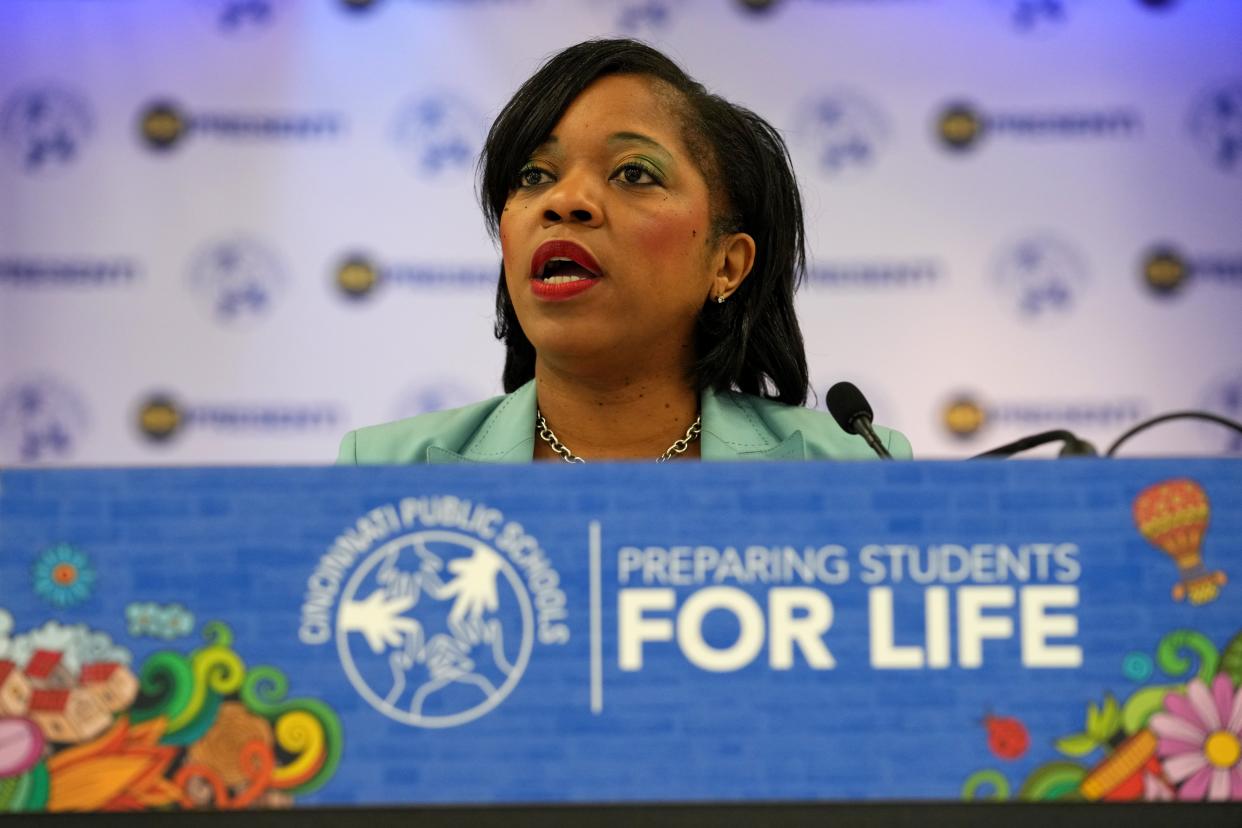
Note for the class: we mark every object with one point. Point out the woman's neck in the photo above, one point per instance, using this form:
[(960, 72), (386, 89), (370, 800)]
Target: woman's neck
[(618, 418)]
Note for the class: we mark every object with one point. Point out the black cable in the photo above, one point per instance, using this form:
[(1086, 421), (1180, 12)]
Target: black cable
[(1176, 415), (1032, 441)]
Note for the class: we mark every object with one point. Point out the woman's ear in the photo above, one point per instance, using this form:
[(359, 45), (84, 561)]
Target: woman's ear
[(736, 258)]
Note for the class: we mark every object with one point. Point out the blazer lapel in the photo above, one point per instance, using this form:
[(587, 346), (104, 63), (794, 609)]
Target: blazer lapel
[(507, 435), (734, 430)]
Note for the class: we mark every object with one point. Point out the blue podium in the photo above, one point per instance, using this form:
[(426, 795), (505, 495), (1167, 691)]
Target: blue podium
[(175, 639)]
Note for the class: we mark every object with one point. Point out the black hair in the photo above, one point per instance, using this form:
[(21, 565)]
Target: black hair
[(752, 342)]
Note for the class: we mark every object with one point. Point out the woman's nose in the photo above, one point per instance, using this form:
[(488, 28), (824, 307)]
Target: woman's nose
[(573, 199)]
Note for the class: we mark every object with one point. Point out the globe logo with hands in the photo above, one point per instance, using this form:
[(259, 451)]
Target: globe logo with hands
[(434, 628)]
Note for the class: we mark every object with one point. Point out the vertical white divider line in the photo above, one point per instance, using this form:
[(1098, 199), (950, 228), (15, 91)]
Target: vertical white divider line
[(597, 652)]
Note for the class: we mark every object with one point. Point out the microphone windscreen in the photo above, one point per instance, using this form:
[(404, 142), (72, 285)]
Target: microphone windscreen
[(845, 402)]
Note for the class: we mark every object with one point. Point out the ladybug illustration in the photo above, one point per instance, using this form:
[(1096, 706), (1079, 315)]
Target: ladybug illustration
[(1007, 737)]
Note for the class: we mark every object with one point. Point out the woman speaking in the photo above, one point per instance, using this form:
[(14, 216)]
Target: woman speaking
[(652, 239)]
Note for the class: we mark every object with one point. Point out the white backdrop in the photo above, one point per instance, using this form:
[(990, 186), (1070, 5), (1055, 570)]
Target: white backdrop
[(181, 181)]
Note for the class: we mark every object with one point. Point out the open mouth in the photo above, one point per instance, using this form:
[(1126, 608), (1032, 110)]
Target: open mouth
[(562, 262)]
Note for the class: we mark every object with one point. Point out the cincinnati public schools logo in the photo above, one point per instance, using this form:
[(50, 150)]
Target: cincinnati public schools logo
[(45, 128), (843, 129), (962, 125), (358, 275), (434, 605), (439, 132), (1040, 277), (1167, 270), (162, 415), (41, 420), (240, 17), (1216, 125), (238, 280), (1224, 397), (164, 124), (966, 415), (637, 16), (1035, 17)]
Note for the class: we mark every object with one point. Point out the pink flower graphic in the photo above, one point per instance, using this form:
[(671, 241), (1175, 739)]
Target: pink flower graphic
[(1201, 740)]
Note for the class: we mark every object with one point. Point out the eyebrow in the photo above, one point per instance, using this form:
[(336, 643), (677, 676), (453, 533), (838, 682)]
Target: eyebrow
[(619, 138)]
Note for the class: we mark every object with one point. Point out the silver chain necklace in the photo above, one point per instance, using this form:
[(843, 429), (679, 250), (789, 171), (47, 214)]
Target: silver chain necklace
[(679, 447)]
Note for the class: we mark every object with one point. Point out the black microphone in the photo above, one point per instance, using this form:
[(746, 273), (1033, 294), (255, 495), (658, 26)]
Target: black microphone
[(850, 409)]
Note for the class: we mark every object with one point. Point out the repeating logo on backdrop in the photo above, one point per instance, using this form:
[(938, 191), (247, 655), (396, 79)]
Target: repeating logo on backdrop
[(638, 17), (434, 606), (1040, 277), (1224, 397), (40, 420), (1035, 17), (1168, 270), (237, 279), (241, 17), (966, 415), (439, 132), (1215, 124), (438, 394), (45, 128), (843, 129)]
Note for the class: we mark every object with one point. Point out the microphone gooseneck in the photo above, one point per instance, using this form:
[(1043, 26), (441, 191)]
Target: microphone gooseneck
[(850, 409)]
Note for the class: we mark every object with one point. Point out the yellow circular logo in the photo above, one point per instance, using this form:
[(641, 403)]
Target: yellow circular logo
[(162, 125), (1165, 271), (356, 276), (960, 126), (963, 417), (159, 418)]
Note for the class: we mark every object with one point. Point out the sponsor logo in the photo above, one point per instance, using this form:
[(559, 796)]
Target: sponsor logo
[(1167, 271), (1215, 125), (358, 275), (966, 415), (1035, 17), (240, 17), (435, 605), (162, 416), (1040, 277), (1224, 397), (962, 126), (844, 130), (165, 124), (438, 395), (40, 420), (238, 280), (45, 128), (439, 133), (874, 274), (25, 272)]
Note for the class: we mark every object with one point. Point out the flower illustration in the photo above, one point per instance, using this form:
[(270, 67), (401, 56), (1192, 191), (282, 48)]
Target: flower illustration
[(63, 576), (1201, 740)]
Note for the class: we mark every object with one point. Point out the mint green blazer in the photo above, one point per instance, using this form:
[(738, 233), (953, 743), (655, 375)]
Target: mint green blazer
[(502, 430)]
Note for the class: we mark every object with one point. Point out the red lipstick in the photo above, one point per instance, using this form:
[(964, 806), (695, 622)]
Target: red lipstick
[(562, 269)]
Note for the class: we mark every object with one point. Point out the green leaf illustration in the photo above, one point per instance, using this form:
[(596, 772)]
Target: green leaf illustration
[(1076, 744)]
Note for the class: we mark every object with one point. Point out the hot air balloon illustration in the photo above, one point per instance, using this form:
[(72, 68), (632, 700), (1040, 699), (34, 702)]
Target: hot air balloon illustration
[(1173, 515)]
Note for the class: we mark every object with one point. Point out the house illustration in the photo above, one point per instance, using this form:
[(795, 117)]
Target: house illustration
[(47, 672), (113, 685), (15, 690), (68, 715)]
